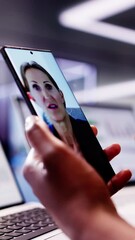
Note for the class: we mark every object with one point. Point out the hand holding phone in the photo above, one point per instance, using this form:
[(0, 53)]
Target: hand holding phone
[(48, 95)]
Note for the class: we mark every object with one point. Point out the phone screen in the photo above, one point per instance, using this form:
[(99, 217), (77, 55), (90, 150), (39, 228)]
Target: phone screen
[(48, 95)]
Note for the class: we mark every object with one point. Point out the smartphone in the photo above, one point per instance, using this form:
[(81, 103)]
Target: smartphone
[(48, 95)]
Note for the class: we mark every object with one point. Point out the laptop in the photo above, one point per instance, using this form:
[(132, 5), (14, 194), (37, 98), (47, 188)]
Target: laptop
[(21, 215), (116, 124)]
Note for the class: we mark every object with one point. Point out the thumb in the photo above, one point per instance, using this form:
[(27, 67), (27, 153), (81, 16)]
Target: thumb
[(42, 140)]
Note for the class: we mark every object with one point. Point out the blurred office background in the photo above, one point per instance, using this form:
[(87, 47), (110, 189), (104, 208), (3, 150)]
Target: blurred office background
[(94, 43), (99, 33)]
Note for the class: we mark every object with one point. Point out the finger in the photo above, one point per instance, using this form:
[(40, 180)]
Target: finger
[(30, 168), (112, 151), (38, 134), (119, 181), (45, 144), (31, 126), (94, 130)]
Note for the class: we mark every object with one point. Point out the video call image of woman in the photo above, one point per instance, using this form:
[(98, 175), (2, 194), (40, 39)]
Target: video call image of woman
[(42, 89)]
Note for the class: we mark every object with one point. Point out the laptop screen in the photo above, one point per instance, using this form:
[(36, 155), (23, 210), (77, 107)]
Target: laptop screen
[(9, 192), (13, 148), (116, 124)]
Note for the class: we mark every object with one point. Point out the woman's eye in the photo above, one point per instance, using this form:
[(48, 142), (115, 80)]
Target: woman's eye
[(48, 86), (36, 87)]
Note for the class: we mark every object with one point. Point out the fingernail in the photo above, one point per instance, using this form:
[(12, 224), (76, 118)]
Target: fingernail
[(30, 122)]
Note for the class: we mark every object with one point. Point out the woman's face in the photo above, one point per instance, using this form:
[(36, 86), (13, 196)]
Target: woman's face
[(46, 94)]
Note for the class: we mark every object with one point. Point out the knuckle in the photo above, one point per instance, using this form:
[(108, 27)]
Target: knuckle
[(53, 154)]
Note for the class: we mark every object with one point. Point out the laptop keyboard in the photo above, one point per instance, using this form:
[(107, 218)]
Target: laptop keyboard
[(26, 225)]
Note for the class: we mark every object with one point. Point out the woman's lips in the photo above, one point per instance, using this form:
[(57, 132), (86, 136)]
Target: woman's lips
[(52, 106)]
